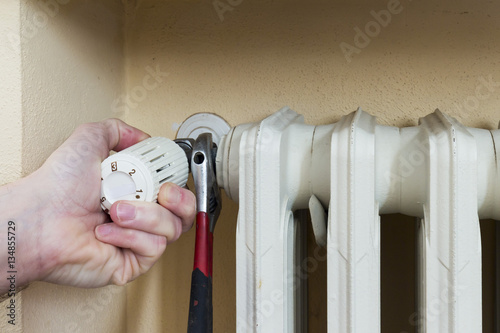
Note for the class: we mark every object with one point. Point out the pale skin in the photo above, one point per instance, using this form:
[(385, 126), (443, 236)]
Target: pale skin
[(61, 233)]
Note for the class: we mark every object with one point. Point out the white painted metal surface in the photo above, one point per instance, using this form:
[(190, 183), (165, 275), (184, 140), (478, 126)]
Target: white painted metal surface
[(200, 123), (443, 173), (353, 245)]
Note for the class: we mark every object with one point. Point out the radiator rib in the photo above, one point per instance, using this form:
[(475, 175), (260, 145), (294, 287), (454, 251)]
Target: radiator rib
[(444, 174)]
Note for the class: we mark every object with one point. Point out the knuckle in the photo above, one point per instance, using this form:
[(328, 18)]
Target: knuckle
[(129, 237), (110, 122), (148, 217), (161, 244), (154, 217), (174, 230), (190, 205), (119, 280), (155, 248)]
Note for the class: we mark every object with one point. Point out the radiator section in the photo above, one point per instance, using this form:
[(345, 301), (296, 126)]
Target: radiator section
[(347, 174)]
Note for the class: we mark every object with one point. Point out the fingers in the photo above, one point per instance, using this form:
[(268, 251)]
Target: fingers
[(148, 217), (140, 242), (169, 219), (145, 228), (180, 202)]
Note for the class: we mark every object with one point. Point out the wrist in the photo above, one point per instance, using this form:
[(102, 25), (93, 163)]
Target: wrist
[(21, 217)]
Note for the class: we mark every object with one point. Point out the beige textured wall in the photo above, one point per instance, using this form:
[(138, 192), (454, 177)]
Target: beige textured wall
[(72, 71), (62, 65), (261, 56), (10, 93)]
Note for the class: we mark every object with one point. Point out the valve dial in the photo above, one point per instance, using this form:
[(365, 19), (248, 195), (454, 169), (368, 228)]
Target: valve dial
[(137, 173)]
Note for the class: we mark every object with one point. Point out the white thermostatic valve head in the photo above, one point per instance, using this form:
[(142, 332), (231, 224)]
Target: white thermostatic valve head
[(137, 173)]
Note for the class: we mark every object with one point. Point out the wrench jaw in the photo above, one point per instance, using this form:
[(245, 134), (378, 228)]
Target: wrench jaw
[(201, 156), (214, 207), (187, 146), (205, 130)]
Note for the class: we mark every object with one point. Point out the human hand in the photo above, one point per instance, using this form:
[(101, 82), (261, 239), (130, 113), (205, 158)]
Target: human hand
[(66, 239)]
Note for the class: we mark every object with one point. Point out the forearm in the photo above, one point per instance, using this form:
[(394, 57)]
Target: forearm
[(20, 213)]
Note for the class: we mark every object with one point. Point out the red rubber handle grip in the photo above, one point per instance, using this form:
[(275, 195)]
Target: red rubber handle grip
[(203, 250), (200, 305)]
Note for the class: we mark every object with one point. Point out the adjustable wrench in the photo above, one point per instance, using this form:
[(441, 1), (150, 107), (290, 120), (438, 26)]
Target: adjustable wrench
[(201, 154)]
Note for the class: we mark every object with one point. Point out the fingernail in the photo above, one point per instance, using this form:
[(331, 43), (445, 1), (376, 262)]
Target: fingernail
[(103, 229), (125, 211), (173, 194)]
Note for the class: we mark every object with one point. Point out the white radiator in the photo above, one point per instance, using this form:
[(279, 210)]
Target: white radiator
[(347, 174)]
